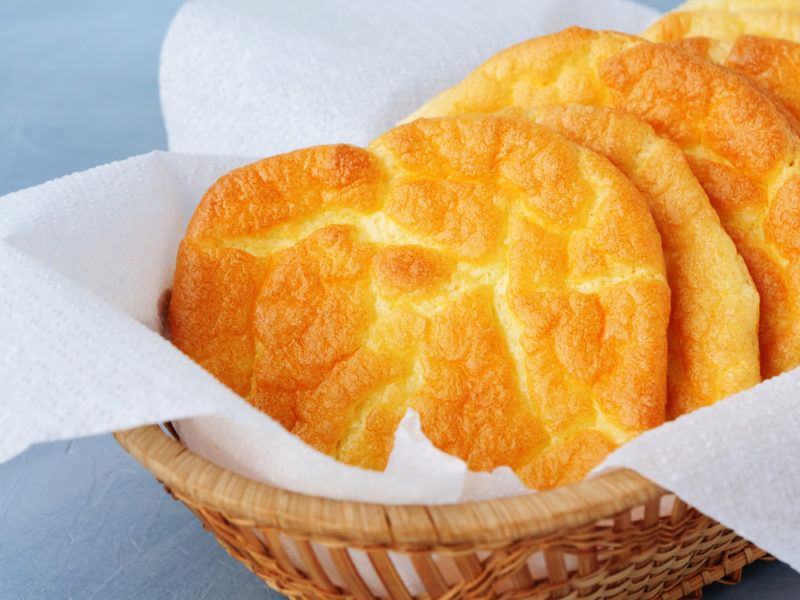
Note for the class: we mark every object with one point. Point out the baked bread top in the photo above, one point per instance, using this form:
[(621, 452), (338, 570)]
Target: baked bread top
[(711, 355), (740, 145), (504, 282), (762, 44)]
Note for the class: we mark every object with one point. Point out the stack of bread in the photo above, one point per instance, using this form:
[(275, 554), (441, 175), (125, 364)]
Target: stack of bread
[(590, 234)]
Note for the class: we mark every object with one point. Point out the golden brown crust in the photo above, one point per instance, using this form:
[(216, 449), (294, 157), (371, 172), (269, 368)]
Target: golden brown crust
[(250, 201), (711, 356), (427, 272), (211, 309), (568, 461), (714, 115), (761, 44)]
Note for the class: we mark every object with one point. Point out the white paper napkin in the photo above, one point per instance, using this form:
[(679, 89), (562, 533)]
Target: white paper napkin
[(737, 461), (257, 77), (85, 259)]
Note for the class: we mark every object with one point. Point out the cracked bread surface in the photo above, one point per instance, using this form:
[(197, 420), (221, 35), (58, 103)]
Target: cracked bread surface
[(741, 146), (709, 356), (761, 44), (502, 281)]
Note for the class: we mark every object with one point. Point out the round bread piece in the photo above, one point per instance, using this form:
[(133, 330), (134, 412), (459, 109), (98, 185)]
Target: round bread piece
[(504, 282), (761, 44), (740, 145), (735, 5), (711, 356)]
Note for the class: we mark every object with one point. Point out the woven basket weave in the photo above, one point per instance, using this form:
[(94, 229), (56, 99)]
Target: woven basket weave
[(608, 537)]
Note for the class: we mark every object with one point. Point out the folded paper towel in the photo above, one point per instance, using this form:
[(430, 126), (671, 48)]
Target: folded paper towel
[(84, 260)]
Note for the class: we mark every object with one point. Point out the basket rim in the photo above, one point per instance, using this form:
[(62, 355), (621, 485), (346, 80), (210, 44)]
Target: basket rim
[(496, 522)]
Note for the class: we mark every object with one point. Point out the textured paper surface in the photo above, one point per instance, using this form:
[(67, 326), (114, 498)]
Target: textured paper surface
[(257, 77), (737, 461), (84, 260)]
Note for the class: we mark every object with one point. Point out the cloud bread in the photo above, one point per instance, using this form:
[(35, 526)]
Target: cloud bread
[(504, 282), (711, 356), (762, 44), (740, 145)]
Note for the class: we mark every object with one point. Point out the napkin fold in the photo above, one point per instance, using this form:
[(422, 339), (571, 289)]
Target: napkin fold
[(83, 263)]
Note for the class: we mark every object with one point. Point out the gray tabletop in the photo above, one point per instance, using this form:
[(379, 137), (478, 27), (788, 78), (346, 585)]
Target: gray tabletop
[(81, 520)]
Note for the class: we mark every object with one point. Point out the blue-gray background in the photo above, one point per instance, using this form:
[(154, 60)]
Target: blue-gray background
[(80, 520)]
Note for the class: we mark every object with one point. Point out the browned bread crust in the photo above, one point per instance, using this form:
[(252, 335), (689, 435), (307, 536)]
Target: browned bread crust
[(741, 146), (710, 357), (507, 284), (761, 44)]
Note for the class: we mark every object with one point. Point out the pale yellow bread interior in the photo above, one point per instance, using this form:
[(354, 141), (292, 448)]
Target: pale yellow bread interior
[(507, 284)]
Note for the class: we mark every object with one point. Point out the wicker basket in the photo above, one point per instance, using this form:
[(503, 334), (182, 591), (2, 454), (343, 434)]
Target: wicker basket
[(604, 538)]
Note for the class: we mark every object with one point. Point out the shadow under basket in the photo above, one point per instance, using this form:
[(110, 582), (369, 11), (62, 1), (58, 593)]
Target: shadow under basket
[(615, 536)]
